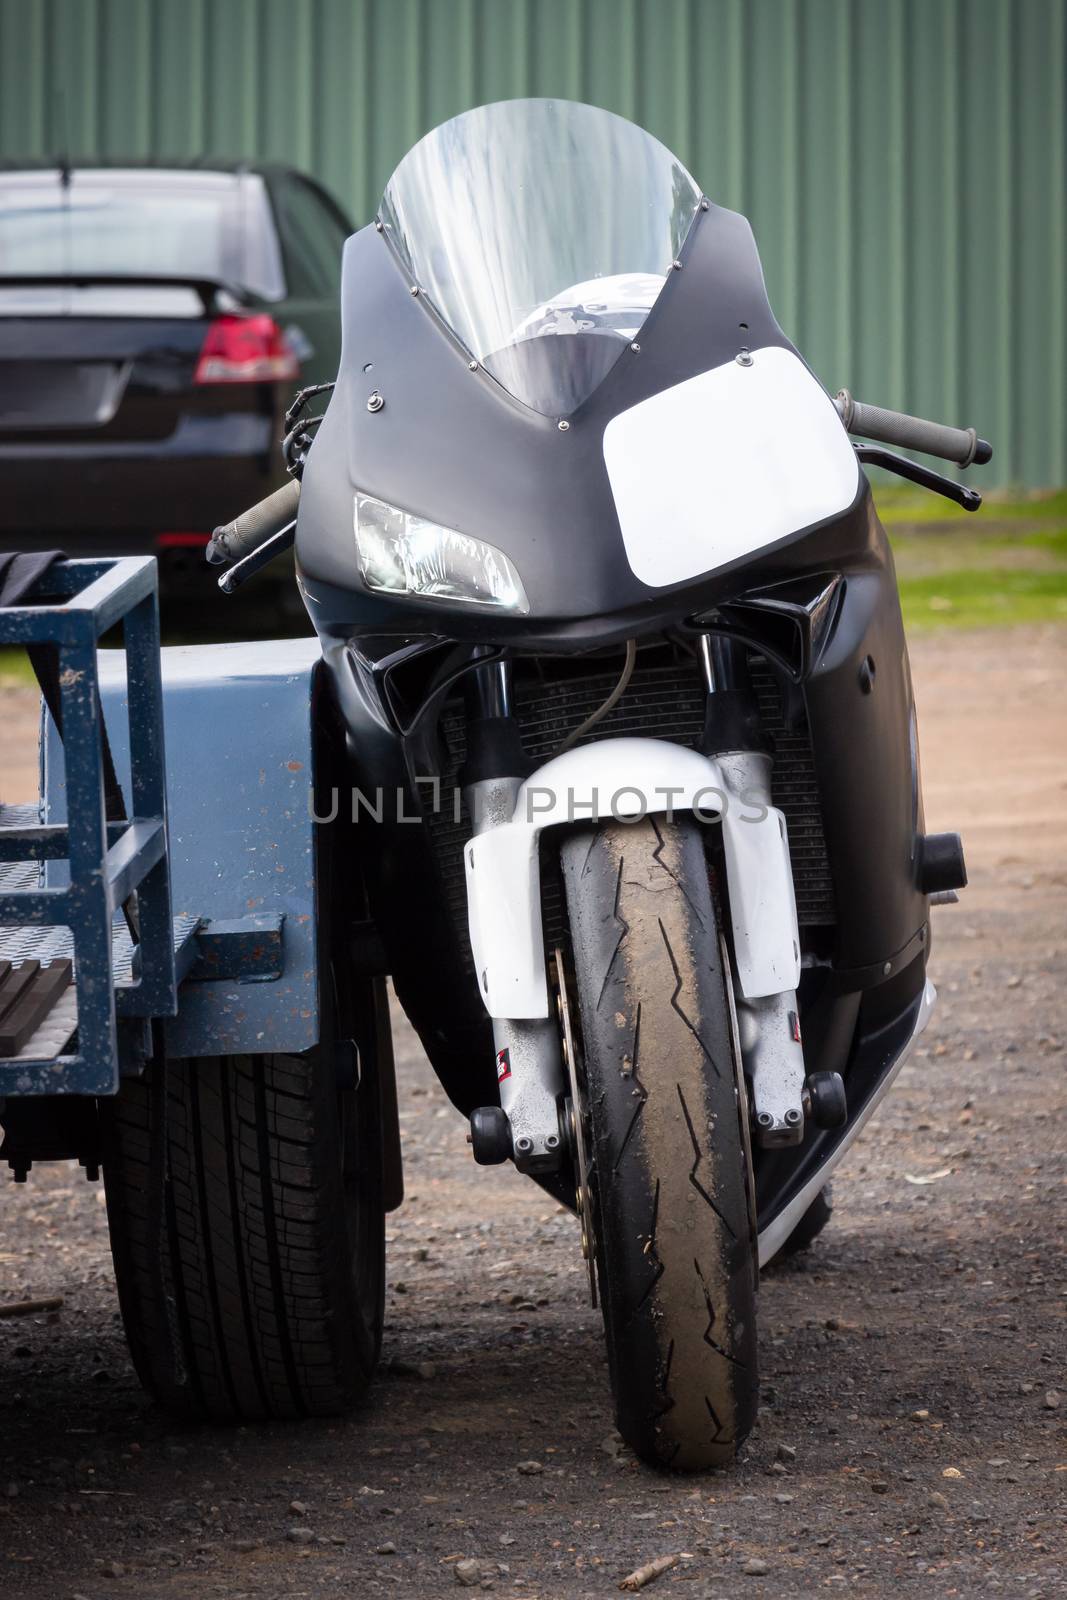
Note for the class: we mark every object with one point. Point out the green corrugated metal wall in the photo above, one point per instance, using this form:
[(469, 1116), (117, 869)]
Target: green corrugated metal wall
[(902, 161)]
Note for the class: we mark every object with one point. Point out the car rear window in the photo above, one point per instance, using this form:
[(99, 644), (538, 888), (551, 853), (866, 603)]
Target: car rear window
[(131, 224)]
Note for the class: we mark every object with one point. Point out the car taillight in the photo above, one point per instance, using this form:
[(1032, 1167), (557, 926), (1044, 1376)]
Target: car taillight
[(246, 350)]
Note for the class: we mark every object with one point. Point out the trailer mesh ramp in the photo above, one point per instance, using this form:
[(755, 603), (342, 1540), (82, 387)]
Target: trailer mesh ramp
[(38, 999), (38, 1004)]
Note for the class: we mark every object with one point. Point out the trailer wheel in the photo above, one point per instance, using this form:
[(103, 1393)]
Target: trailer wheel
[(245, 1205), (810, 1225)]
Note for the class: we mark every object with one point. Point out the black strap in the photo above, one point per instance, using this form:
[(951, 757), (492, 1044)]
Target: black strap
[(20, 570), (44, 659)]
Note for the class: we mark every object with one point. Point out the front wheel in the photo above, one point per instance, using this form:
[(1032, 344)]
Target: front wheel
[(671, 1191)]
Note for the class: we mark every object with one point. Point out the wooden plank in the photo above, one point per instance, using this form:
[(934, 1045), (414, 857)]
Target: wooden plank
[(14, 982), (21, 1021)]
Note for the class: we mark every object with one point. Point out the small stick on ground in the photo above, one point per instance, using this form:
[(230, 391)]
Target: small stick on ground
[(648, 1573), (26, 1308)]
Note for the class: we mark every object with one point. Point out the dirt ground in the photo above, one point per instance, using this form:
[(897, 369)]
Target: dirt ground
[(914, 1394)]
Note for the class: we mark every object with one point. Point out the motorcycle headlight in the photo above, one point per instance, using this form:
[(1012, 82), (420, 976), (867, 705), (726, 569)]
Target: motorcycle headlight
[(403, 554)]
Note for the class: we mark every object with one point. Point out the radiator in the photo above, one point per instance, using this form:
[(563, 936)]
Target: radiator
[(661, 702)]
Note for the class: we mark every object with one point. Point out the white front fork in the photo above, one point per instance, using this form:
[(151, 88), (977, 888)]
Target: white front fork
[(627, 779)]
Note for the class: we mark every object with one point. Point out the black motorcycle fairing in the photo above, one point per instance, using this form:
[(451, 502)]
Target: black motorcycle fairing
[(401, 874), (862, 1037), (860, 713), (343, 612), (751, 599), (860, 718), (862, 737), (453, 446)]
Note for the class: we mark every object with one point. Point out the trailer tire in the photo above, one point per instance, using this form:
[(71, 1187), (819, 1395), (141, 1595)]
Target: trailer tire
[(810, 1225), (244, 1200)]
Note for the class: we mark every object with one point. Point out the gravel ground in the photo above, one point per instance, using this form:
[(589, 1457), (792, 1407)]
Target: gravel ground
[(914, 1400)]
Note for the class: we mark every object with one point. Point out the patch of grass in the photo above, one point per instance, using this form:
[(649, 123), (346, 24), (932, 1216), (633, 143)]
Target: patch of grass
[(15, 668), (1041, 505), (919, 555), (901, 505), (994, 597), (1054, 540), (1005, 564)]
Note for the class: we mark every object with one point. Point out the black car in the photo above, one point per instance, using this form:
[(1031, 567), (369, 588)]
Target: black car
[(154, 323)]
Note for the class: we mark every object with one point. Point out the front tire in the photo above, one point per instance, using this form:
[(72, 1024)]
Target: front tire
[(674, 1234)]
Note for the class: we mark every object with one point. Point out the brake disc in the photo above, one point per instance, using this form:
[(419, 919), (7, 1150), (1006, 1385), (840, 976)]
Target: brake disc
[(574, 1115)]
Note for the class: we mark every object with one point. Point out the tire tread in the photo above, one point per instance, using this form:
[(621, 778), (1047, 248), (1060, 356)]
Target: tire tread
[(230, 1239), (678, 1292)]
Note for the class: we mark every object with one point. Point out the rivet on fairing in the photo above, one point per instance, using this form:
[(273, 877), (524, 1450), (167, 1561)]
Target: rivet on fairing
[(563, 425), (375, 401), (744, 358)]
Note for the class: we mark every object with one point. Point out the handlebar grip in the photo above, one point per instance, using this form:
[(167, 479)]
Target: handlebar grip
[(237, 539), (961, 445)]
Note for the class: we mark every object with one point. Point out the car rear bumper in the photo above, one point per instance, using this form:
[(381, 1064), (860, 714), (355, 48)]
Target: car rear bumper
[(117, 497)]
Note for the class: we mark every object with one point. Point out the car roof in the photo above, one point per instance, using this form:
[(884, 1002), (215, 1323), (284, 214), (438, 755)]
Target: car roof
[(215, 170), (234, 166)]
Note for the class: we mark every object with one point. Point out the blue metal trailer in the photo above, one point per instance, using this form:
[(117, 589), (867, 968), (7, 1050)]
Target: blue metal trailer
[(189, 999)]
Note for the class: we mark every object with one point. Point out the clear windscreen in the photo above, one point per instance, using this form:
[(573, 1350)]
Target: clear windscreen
[(542, 231)]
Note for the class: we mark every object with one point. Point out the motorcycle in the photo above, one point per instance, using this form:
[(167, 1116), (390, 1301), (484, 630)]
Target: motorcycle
[(606, 607)]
